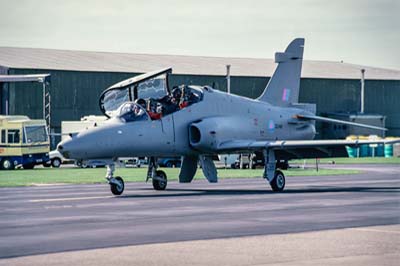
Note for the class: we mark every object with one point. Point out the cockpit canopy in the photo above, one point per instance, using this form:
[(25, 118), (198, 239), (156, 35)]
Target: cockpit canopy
[(149, 85), (148, 96)]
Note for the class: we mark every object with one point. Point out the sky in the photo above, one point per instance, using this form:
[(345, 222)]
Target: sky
[(365, 32)]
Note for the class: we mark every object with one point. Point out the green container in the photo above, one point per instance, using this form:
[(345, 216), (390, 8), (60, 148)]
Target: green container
[(364, 151), (388, 150), (352, 152), (380, 150)]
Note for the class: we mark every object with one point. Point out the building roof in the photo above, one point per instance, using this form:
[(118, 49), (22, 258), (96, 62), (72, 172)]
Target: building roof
[(34, 58)]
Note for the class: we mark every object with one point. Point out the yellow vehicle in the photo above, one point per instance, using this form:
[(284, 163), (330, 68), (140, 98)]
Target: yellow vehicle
[(23, 142)]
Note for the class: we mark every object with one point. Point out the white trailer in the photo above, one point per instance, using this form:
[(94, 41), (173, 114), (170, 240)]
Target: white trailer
[(86, 122)]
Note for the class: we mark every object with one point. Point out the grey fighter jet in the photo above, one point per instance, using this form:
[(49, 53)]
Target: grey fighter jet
[(149, 119)]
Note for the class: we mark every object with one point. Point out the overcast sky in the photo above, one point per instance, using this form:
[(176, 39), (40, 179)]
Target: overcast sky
[(363, 32)]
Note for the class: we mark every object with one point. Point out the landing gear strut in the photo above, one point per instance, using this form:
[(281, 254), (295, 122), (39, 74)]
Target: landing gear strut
[(116, 183), (275, 177), (158, 177)]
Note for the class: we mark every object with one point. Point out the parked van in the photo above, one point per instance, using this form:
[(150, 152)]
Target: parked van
[(23, 141)]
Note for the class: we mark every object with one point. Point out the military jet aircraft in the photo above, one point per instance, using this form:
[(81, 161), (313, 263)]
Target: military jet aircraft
[(148, 119)]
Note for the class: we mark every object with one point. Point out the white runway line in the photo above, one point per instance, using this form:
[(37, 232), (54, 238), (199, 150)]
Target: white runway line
[(70, 199), (376, 230), (91, 197)]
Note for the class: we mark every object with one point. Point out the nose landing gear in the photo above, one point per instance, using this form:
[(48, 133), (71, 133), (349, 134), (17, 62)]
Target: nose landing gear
[(158, 178), (117, 185)]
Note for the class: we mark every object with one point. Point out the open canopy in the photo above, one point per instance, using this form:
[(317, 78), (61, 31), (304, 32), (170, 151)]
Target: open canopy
[(149, 85)]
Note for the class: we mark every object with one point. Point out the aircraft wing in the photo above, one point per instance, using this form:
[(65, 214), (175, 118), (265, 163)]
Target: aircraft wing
[(299, 149)]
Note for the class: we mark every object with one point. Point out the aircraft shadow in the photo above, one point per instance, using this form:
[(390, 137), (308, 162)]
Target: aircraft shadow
[(178, 192)]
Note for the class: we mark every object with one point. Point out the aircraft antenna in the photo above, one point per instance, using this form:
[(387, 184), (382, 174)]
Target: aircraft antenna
[(228, 79), (362, 89)]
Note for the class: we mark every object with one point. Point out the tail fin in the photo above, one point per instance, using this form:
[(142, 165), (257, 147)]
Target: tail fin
[(283, 87)]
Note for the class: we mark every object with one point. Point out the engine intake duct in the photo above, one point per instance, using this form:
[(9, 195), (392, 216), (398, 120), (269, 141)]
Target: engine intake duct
[(205, 135), (195, 135), (202, 135)]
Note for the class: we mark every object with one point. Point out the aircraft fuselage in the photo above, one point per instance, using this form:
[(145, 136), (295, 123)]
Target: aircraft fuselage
[(196, 129)]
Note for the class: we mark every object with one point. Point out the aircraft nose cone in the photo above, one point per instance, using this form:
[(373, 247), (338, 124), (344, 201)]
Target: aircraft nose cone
[(64, 148)]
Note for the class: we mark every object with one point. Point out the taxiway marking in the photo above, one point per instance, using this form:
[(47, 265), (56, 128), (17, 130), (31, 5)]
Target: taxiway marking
[(70, 199), (376, 230)]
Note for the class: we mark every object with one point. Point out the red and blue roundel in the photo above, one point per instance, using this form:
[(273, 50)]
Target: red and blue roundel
[(285, 95), (271, 125)]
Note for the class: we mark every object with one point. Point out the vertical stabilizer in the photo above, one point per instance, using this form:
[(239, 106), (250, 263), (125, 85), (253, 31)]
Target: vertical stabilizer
[(283, 87)]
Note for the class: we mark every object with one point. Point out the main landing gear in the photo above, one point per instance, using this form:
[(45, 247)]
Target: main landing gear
[(158, 177), (275, 177), (278, 183)]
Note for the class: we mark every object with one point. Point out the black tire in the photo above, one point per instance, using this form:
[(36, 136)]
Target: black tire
[(28, 166), (7, 164), (118, 189), (46, 164), (56, 162), (160, 184), (278, 183)]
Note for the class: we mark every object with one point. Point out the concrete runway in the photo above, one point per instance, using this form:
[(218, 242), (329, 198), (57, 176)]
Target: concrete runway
[(51, 219)]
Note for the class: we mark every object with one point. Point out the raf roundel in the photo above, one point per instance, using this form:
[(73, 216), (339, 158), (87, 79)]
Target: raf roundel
[(271, 125), (285, 95)]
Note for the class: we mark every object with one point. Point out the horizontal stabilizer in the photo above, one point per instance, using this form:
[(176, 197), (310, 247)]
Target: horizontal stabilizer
[(336, 121)]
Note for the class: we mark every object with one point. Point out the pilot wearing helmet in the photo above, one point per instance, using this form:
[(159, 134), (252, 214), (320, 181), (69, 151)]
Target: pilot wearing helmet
[(153, 109), (176, 95), (141, 102), (132, 112), (137, 110), (188, 97), (171, 102)]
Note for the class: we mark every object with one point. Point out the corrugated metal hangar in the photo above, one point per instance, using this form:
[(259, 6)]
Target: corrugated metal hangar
[(79, 77)]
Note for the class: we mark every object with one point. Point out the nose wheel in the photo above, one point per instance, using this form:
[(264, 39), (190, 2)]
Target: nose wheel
[(117, 185)]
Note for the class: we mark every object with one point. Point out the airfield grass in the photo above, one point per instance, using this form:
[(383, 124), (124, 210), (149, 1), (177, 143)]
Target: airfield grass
[(42, 176), (361, 160)]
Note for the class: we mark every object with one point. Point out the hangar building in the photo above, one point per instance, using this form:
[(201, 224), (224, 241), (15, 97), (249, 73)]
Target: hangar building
[(79, 77)]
